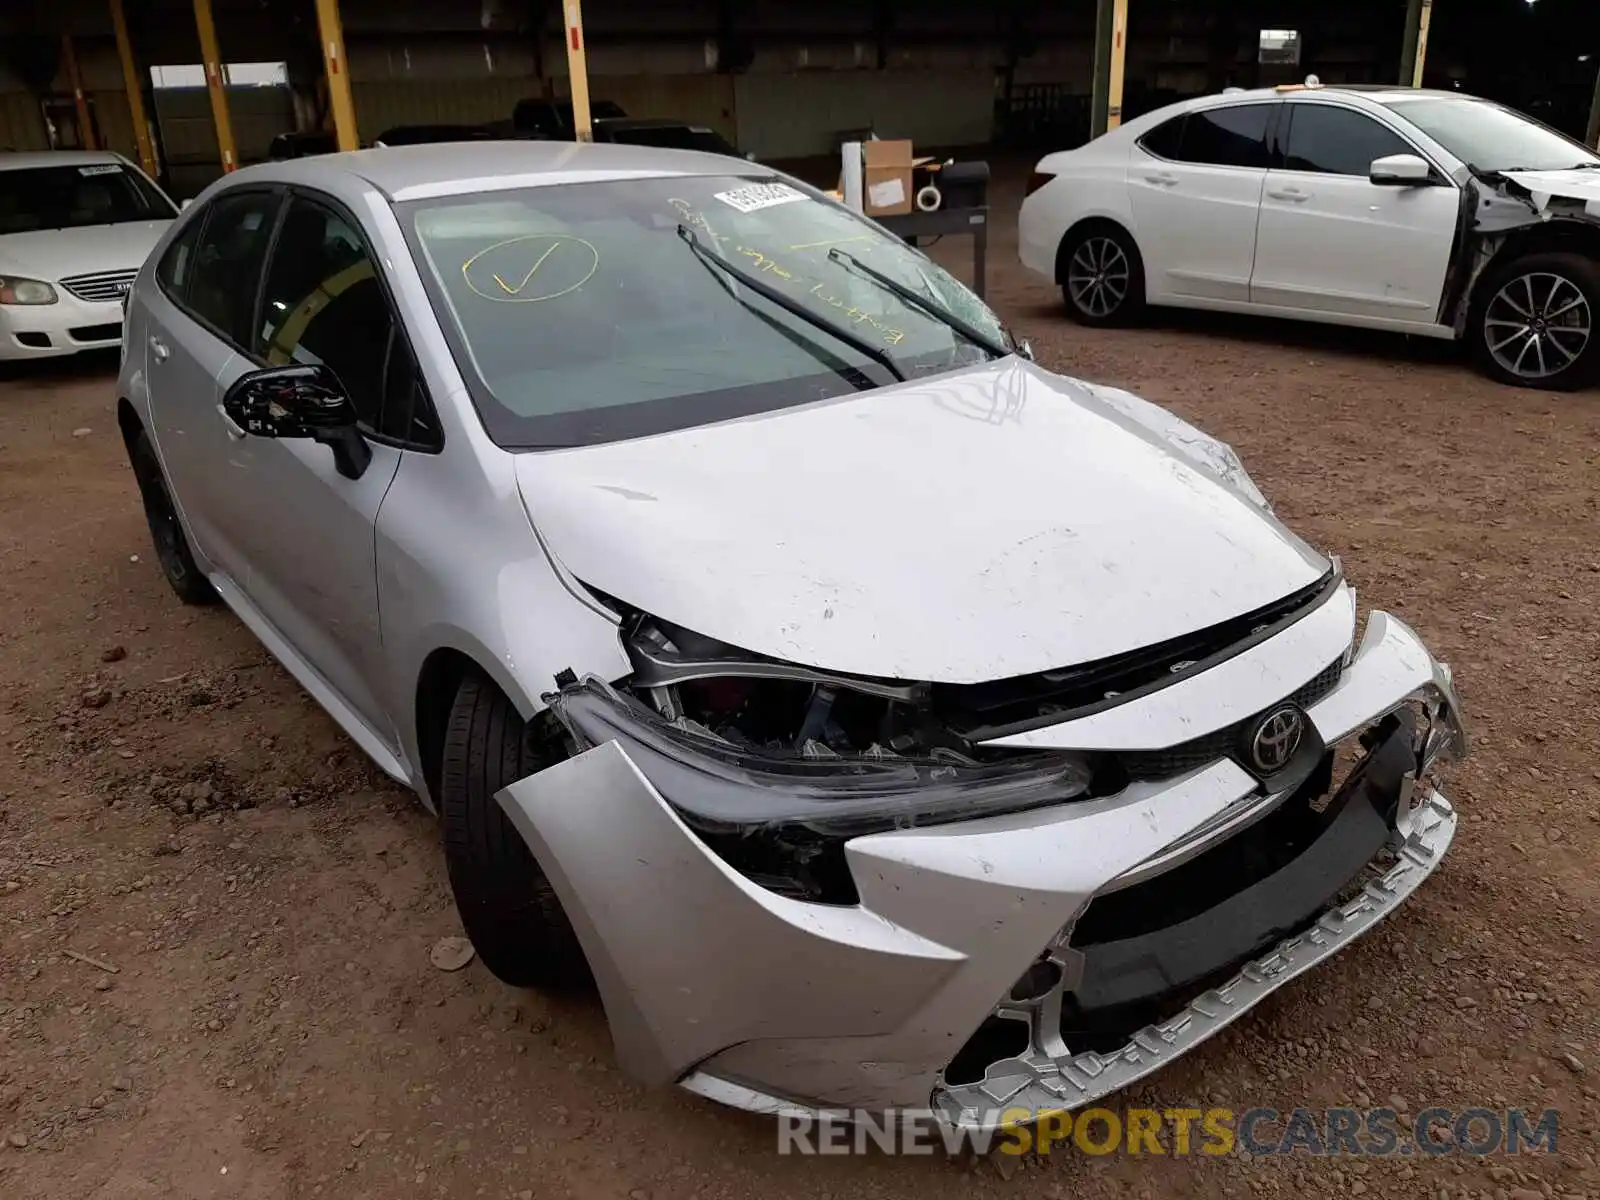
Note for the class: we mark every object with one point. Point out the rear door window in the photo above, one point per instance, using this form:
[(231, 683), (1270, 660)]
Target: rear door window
[(1235, 136), (226, 274)]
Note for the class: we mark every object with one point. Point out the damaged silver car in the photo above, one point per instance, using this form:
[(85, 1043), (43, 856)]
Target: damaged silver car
[(877, 718)]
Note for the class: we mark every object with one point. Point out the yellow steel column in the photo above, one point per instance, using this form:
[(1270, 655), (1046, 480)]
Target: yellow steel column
[(1422, 42), (578, 69), (1119, 52), (216, 83), (338, 69), (69, 59), (130, 80)]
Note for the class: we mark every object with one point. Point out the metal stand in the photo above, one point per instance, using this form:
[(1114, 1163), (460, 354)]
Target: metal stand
[(973, 222)]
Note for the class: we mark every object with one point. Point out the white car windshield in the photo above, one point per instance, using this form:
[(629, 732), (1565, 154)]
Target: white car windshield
[(598, 311), (1492, 138), (69, 197)]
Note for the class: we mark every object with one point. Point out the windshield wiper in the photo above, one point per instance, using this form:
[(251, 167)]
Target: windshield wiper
[(937, 312), (766, 291)]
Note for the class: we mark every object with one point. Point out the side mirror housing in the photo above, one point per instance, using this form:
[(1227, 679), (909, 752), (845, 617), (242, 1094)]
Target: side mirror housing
[(1400, 170), (302, 400), (183, 204)]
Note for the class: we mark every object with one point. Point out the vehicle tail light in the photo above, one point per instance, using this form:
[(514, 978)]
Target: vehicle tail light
[(1036, 181)]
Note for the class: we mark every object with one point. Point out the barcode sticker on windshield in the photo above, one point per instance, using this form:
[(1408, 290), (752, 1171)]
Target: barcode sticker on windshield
[(100, 169), (760, 195)]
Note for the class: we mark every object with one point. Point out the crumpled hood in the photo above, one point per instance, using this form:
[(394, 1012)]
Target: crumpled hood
[(1582, 186), (994, 522), (53, 254)]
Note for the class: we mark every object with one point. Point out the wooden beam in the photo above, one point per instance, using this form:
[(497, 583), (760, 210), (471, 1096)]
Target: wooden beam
[(1119, 54), (331, 28), (69, 59), (130, 80), (577, 69), (216, 84)]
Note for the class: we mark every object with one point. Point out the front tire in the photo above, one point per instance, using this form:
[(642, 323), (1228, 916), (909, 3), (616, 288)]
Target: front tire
[(1533, 322), (1101, 276), (166, 530), (507, 905)]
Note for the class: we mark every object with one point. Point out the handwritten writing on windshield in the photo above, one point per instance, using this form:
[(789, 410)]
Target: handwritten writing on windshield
[(763, 263), (531, 268)]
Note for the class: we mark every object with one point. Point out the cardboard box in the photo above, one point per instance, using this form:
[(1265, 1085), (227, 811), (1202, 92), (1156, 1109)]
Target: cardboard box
[(886, 177)]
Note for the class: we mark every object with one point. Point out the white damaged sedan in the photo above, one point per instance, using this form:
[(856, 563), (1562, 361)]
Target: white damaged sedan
[(879, 719)]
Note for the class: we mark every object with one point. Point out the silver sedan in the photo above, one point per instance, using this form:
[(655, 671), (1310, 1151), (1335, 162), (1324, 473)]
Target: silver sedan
[(876, 718)]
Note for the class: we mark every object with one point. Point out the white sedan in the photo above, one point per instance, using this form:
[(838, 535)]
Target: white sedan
[(1423, 212), (75, 227)]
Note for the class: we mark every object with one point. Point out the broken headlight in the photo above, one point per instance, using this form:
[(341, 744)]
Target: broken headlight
[(717, 784)]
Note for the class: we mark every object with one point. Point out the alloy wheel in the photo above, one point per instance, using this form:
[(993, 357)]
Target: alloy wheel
[(1537, 325), (1098, 276)]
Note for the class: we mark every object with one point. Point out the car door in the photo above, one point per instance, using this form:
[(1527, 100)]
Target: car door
[(1332, 241), (199, 319), (307, 531), (1194, 184)]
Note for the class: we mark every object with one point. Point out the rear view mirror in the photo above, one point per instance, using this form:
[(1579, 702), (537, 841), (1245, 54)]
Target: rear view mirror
[(303, 400), (1400, 170)]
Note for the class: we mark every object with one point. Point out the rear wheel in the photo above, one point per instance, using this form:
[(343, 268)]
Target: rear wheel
[(166, 530), (1533, 324), (507, 906), (1102, 276)]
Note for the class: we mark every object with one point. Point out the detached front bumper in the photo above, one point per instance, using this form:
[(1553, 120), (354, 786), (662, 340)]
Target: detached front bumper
[(1034, 925)]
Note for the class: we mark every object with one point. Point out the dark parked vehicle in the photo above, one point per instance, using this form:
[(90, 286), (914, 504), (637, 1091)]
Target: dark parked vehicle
[(664, 134), (301, 145), (419, 135), (553, 119)]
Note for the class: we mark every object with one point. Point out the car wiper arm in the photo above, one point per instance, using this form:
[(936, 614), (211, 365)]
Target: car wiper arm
[(790, 305), (922, 303)]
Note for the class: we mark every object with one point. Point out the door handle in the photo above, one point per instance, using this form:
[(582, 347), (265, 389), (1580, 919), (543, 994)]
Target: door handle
[(230, 425), (159, 349), (1292, 194), (1161, 178)]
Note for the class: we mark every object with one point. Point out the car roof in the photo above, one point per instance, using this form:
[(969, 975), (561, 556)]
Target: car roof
[(1378, 93), (17, 160), (456, 168)]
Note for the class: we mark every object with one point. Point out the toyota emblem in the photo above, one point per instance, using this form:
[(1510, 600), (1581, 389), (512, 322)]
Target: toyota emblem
[(1275, 739)]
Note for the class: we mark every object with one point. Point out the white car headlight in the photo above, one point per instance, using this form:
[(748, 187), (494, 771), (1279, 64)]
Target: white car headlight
[(1198, 447), (15, 290)]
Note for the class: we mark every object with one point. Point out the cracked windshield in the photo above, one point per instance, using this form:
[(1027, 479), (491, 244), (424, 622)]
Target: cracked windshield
[(598, 311)]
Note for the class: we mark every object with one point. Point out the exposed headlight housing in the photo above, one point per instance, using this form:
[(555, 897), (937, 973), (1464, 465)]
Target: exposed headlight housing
[(716, 784), (16, 290)]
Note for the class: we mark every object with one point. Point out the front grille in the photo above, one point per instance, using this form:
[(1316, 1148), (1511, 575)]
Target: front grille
[(100, 286), (1197, 752), (96, 333)]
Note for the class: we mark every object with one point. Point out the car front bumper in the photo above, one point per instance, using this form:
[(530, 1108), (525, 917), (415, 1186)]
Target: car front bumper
[(777, 1004), (68, 326)]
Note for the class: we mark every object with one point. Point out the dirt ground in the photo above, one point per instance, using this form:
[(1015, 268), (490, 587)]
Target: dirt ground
[(172, 806)]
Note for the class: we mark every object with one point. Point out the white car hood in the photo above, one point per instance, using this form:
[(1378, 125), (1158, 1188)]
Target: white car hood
[(52, 254), (995, 522), (1583, 186)]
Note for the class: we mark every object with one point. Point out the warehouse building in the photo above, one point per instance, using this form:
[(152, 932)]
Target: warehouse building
[(782, 79)]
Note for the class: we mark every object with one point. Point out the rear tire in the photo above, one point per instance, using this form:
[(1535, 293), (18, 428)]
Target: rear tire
[(166, 530), (1532, 322), (1101, 276), (507, 905)]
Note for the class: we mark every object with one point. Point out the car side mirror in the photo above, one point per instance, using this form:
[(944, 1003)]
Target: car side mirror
[(183, 204), (302, 400), (1400, 170)]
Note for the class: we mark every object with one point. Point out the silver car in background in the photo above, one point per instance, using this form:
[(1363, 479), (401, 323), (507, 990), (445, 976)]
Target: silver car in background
[(877, 718)]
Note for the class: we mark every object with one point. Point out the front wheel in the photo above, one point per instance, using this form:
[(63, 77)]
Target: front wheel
[(507, 905), (166, 530), (1533, 324), (1102, 276)]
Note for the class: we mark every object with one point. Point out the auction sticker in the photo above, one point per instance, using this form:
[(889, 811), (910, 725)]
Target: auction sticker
[(760, 195), (100, 169)]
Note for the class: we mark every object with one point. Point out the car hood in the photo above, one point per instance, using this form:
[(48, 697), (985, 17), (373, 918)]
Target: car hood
[(1583, 186), (994, 522), (52, 254)]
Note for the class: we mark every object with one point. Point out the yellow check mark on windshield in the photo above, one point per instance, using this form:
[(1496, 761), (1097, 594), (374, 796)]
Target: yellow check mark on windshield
[(533, 270)]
